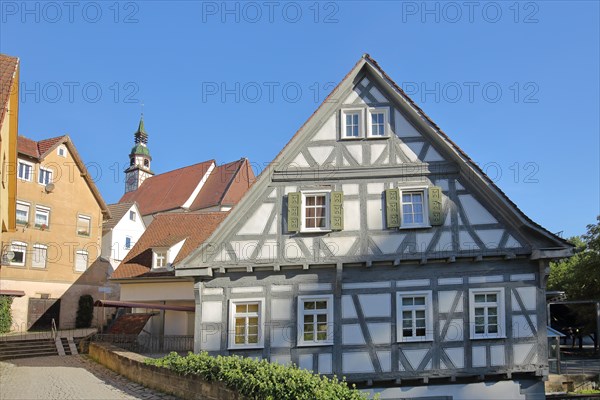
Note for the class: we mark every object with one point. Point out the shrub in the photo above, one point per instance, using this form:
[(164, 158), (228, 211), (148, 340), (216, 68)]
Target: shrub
[(85, 311), (5, 313), (259, 379)]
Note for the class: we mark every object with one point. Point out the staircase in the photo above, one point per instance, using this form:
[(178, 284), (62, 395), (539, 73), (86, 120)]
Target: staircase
[(11, 349), (26, 348)]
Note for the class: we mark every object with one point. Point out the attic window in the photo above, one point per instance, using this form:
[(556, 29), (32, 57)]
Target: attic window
[(352, 124), (159, 258), (378, 122), (61, 151), (132, 215)]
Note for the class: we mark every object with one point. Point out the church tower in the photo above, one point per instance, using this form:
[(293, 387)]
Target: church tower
[(139, 160)]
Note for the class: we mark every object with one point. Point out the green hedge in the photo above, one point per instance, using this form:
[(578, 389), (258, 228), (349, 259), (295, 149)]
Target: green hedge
[(259, 379), (5, 313)]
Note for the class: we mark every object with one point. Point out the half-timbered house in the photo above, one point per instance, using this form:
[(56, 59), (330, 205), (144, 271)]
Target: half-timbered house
[(376, 249)]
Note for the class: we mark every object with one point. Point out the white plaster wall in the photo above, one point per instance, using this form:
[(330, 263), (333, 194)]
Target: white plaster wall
[(116, 239), (158, 291), (176, 323)]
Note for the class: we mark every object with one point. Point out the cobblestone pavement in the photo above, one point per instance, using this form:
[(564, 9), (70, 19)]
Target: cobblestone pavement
[(68, 377)]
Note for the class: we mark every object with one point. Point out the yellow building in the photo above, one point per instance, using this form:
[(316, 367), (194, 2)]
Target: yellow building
[(9, 115), (52, 255)]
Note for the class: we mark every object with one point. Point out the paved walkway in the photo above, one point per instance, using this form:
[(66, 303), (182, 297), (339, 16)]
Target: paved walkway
[(67, 377)]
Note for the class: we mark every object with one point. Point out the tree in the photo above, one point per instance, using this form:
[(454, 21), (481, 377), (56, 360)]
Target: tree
[(85, 312), (579, 276)]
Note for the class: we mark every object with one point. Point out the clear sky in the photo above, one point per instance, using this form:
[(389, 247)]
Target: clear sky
[(514, 84)]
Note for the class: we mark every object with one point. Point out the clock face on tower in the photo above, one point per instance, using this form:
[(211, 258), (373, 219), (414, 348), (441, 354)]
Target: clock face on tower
[(130, 182)]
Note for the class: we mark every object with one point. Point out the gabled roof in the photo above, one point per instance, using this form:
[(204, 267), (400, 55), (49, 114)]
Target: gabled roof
[(164, 231), (8, 72), (117, 211), (225, 185), (367, 65), (38, 150), (167, 191)]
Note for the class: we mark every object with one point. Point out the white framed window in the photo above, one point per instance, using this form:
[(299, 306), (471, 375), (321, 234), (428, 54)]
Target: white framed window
[(486, 313), (246, 325), (127, 242), (315, 211), (19, 250), (22, 213), (159, 258), (414, 208), (414, 319), (84, 225), (132, 215), (25, 170), (45, 176), (81, 260), (352, 123), (61, 151), (42, 217), (378, 122), (315, 320), (39, 256)]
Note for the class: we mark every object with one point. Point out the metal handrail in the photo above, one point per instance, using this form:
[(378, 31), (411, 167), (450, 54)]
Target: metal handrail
[(54, 330)]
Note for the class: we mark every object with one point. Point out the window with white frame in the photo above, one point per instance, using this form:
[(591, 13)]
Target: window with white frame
[(132, 215), (24, 170), (22, 212), (81, 260), (39, 256), (315, 320), (159, 258), (42, 217), (352, 124), (414, 208), (127, 242), (246, 323), (377, 122), (19, 250), (45, 176), (83, 225), (315, 211), (414, 316), (486, 312), (61, 151)]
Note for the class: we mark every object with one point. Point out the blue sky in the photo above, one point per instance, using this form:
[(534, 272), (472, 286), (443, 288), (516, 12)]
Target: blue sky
[(515, 84)]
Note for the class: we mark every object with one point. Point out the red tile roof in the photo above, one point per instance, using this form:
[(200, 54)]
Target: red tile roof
[(38, 150), (167, 191), (8, 70), (226, 184), (164, 231)]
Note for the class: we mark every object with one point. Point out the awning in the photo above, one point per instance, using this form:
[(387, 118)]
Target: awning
[(15, 293), (149, 306)]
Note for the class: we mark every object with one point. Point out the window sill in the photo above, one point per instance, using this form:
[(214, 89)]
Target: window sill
[(316, 231), (257, 347), (352, 138), (314, 344), (378, 137), (407, 340), (488, 337), (415, 227)]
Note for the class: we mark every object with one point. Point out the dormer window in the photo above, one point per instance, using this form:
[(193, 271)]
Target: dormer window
[(159, 258)]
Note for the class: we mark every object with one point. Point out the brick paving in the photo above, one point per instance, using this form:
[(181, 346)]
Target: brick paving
[(68, 377)]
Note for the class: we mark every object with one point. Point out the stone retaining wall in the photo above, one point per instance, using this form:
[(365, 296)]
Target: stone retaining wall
[(132, 366)]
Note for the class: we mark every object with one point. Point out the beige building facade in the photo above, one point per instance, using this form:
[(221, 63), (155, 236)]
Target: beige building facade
[(53, 255)]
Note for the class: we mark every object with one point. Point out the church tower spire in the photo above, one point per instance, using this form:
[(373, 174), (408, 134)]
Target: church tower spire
[(139, 159)]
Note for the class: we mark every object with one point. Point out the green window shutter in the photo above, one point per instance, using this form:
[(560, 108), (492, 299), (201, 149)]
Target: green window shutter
[(392, 208), (336, 204), (435, 206), (293, 217)]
